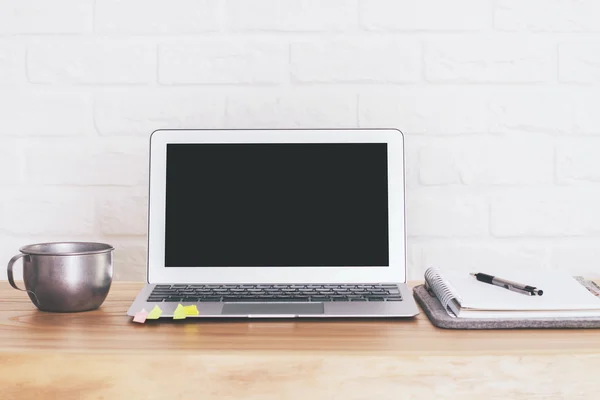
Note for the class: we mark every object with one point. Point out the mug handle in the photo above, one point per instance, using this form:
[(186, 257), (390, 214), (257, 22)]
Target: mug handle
[(9, 271)]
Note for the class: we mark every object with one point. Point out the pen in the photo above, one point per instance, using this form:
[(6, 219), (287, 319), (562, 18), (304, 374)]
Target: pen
[(513, 286)]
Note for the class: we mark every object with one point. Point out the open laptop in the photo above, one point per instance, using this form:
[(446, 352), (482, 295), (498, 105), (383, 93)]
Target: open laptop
[(277, 223)]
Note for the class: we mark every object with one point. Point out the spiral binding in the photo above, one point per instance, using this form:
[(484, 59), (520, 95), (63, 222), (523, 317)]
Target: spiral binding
[(441, 288)]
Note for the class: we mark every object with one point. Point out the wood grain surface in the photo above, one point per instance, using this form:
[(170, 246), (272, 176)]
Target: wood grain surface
[(103, 355)]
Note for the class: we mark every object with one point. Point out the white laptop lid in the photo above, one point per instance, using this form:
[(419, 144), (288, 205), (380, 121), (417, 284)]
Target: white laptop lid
[(276, 206)]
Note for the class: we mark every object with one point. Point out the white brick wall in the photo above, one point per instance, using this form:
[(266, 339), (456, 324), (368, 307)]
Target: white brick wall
[(213, 61), (378, 60), (51, 112), (300, 16), (579, 62), (12, 60), (156, 17), (498, 100), (485, 161), (489, 59), (547, 15), (45, 17), (91, 61), (126, 112), (425, 15)]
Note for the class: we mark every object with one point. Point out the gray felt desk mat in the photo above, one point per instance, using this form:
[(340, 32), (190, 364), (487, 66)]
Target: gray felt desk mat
[(440, 318)]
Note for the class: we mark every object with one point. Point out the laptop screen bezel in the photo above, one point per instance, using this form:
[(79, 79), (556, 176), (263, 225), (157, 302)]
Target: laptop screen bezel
[(159, 273)]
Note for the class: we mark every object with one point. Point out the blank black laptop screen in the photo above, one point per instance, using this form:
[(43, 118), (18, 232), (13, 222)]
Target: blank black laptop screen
[(284, 205)]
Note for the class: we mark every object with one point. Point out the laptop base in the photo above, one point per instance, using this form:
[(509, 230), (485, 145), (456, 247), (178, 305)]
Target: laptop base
[(342, 309)]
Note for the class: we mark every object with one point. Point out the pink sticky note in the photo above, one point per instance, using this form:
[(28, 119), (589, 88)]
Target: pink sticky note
[(140, 316)]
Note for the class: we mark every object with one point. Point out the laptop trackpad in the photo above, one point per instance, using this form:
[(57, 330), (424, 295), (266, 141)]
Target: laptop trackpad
[(272, 309)]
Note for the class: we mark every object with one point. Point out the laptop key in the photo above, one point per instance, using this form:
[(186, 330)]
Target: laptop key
[(376, 299), (190, 299), (320, 299), (295, 299), (273, 300), (162, 287), (210, 299)]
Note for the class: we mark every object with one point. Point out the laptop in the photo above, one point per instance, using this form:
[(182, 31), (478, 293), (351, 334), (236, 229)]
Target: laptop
[(277, 224)]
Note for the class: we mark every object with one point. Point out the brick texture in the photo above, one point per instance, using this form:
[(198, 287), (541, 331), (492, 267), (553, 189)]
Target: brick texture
[(56, 112), (490, 60), (302, 109), (45, 17), (579, 62), (547, 15), (292, 15), (137, 113), (424, 15), (362, 61), (497, 99), (156, 16), (207, 62), (91, 62), (12, 61)]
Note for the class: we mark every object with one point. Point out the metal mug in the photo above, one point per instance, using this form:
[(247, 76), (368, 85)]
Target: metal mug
[(65, 276)]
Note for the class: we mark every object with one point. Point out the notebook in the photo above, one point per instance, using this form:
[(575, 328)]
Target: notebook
[(464, 296)]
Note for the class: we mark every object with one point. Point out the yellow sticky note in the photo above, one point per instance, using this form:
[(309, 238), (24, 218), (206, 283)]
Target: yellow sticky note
[(155, 313), (179, 312), (191, 310)]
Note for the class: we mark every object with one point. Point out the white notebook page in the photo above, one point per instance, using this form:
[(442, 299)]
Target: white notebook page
[(561, 291)]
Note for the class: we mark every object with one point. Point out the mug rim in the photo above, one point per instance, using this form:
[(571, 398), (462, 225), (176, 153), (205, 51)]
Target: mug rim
[(30, 249)]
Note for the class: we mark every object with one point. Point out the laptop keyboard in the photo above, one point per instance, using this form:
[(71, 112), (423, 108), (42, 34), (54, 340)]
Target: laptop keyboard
[(273, 293)]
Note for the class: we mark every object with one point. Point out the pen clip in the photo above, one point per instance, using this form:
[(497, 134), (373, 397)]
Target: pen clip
[(517, 289)]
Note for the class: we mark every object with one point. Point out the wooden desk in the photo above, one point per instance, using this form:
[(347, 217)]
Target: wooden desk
[(103, 355)]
